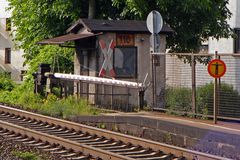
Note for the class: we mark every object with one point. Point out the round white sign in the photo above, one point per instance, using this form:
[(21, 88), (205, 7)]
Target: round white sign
[(154, 22)]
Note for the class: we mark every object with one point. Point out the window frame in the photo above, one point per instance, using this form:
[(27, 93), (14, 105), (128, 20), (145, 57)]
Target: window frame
[(8, 24), (136, 62), (237, 41), (23, 72), (8, 52)]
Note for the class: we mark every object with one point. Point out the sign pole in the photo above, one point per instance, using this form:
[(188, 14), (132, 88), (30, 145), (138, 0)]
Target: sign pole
[(153, 81), (153, 73), (215, 101), (218, 86), (154, 25), (216, 68), (193, 63), (153, 61), (215, 97)]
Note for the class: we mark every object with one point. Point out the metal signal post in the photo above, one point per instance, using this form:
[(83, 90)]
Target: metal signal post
[(216, 69), (154, 25)]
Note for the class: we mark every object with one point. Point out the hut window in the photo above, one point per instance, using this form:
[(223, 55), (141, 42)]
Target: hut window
[(125, 62)]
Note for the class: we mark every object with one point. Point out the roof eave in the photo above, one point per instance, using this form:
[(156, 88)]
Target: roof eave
[(73, 26), (124, 31), (65, 38), (50, 43), (80, 23)]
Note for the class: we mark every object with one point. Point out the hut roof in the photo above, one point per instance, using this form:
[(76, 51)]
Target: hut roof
[(96, 25)]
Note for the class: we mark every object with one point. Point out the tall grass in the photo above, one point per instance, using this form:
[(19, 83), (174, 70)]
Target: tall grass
[(26, 155), (23, 96), (66, 107)]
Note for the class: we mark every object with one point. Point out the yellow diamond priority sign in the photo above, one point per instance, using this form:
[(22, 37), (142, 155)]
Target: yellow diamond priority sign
[(216, 68)]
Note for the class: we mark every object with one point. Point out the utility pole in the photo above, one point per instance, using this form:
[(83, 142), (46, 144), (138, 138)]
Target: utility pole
[(92, 9)]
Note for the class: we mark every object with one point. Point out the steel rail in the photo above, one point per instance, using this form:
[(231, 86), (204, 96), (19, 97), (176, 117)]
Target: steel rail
[(85, 149), (177, 151)]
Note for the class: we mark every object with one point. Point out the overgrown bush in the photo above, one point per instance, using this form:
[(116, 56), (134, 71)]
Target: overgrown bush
[(178, 99), (71, 106), (6, 84), (18, 94), (23, 96), (229, 99), (204, 98)]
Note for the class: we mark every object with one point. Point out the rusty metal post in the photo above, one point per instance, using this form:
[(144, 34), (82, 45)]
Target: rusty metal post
[(128, 95), (193, 63), (218, 90), (103, 95), (97, 91), (61, 89), (87, 93), (153, 81), (80, 89), (215, 97), (65, 90), (77, 90), (111, 97), (215, 104), (141, 99)]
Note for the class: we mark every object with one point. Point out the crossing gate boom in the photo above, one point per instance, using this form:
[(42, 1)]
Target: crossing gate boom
[(98, 80)]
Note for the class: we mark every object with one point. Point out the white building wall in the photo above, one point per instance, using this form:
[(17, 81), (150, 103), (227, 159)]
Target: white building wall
[(179, 73), (16, 65), (224, 45), (3, 12), (221, 46)]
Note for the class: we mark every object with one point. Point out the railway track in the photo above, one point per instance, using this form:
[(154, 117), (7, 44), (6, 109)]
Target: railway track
[(76, 141)]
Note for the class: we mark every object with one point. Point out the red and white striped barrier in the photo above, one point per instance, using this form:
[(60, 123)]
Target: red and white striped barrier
[(98, 80)]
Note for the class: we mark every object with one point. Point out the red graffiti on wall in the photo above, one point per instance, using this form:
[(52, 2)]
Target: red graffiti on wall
[(107, 52)]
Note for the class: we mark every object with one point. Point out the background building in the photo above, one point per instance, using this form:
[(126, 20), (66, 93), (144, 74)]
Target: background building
[(11, 58), (230, 45), (179, 73)]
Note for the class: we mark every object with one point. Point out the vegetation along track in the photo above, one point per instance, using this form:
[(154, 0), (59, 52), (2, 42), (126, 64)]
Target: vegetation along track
[(77, 141)]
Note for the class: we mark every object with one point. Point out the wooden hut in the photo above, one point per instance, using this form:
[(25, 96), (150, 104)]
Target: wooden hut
[(117, 49)]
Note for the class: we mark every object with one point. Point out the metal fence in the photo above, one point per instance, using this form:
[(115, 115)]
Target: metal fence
[(107, 96), (105, 93), (190, 88)]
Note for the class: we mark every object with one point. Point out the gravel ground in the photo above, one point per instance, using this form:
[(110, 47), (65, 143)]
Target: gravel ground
[(7, 146)]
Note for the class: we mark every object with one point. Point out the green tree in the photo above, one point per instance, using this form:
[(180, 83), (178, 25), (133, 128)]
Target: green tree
[(192, 20), (38, 20)]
